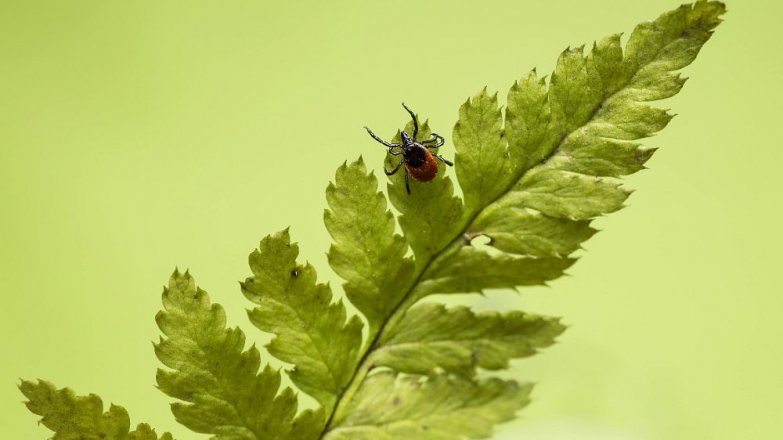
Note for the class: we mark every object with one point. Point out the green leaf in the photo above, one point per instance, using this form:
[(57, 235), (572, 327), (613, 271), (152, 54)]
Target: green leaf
[(457, 340), (527, 232), (602, 157), (74, 417), (226, 394), (671, 42), (366, 251), (565, 195), (481, 163), (437, 408), (527, 123), (472, 270), (430, 214), (572, 93), (310, 331)]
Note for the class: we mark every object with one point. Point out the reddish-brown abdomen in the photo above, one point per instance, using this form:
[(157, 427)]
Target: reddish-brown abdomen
[(427, 171)]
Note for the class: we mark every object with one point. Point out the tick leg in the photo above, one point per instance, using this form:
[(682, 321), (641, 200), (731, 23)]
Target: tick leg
[(415, 122), (374, 136), (389, 173), (435, 138), (407, 185), (446, 161)]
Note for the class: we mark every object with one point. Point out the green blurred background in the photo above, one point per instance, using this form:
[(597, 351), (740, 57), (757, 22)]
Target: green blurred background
[(139, 136)]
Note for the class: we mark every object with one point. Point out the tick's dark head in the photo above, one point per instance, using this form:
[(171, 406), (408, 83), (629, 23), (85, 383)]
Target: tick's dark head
[(406, 139)]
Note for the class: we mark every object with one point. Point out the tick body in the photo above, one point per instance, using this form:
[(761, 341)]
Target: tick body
[(420, 163), (419, 158)]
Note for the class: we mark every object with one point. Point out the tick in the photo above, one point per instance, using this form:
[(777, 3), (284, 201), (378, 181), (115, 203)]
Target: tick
[(419, 161)]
